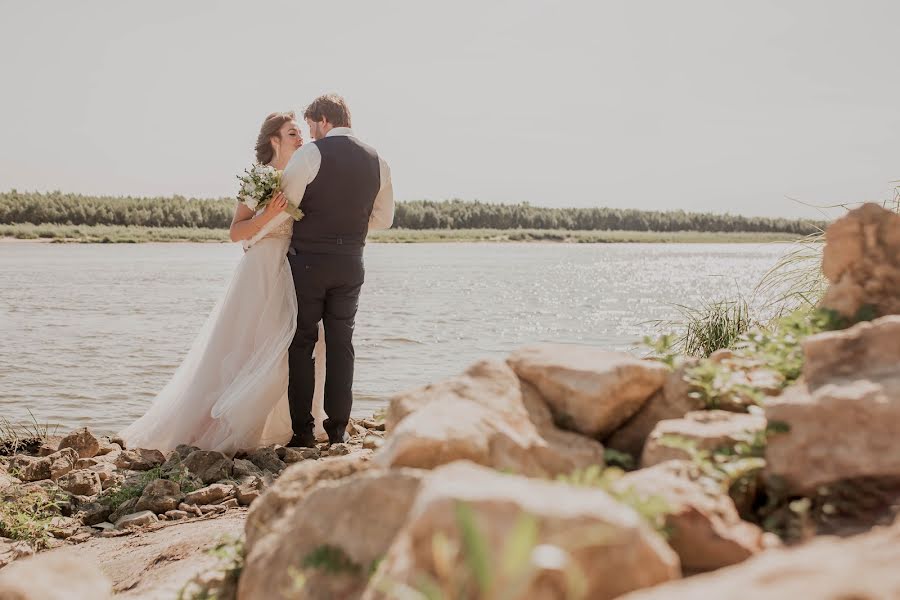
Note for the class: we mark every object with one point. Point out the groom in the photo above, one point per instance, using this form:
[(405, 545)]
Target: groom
[(345, 188)]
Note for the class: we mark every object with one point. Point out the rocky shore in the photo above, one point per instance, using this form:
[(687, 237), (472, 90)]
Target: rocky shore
[(768, 470)]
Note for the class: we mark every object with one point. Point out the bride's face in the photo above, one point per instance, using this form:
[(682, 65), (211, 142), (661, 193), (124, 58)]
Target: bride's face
[(289, 140)]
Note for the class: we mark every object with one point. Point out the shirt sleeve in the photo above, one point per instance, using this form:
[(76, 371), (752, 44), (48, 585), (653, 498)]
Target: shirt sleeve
[(300, 172), (383, 211)]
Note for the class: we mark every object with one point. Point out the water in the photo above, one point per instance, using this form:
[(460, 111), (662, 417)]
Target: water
[(89, 333)]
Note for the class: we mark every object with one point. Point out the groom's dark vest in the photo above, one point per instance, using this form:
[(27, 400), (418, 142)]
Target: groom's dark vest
[(338, 202)]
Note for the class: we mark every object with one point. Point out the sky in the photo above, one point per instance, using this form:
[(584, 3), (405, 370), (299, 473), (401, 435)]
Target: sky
[(756, 108)]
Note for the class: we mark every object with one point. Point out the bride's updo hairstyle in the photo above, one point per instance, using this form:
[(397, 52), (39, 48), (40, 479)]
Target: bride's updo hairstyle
[(270, 128)]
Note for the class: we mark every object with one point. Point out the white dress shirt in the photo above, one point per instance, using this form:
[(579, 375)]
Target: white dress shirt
[(304, 165)]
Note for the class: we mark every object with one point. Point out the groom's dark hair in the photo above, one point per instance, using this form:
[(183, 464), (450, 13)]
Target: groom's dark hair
[(331, 107)]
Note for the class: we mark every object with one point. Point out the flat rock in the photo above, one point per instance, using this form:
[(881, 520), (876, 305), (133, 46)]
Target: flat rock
[(589, 390), (209, 494), (138, 519), (703, 429)]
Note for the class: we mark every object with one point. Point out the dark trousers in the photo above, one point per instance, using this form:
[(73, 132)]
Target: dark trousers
[(327, 288)]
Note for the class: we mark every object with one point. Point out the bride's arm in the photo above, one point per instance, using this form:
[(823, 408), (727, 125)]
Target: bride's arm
[(244, 225)]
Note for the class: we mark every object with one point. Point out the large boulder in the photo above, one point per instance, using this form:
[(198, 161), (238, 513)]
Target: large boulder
[(843, 420), (333, 538), (589, 390), (488, 416), (281, 500), (83, 442), (702, 430), (861, 261), (54, 577), (860, 567), (577, 531), (672, 401), (703, 525), (209, 466), (159, 496)]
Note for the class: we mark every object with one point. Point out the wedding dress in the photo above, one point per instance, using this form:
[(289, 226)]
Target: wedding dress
[(230, 392)]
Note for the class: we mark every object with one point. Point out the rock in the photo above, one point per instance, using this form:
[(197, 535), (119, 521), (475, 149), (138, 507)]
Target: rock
[(589, 390), (139, 459), (92, 513), (104, 470), (292, 487), (106, 446), (7, 481), (63, 527), (372, 442), (86, 463), (209, 466), (83, 442), (704, 429), (373, 424), (54, 576), (587, 532), (81, 482), (338, 450), (486, 415), (249, 490), (861, 260), (209, 494), (244, 468), (191, 509), (355, 518), (703, 523), (176, 515), (860, 568), (293, 455), (844, 430), (55, 465), (866, 350), (46, 450), (672, 401), (160, 496), (11, 550), (182, 451), (266, 459), (212, 508), (230, 503), (126, 508), (138, 519), (105, 526)]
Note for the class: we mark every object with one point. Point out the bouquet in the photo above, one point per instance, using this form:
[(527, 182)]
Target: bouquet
[(258, 185)]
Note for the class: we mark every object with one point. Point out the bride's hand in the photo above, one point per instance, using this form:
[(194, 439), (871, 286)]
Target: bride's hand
[(277, 205)]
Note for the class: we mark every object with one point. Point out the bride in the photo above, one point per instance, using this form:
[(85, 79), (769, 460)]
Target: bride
[(230, 392)]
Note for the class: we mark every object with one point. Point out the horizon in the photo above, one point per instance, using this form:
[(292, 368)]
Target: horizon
[(704, 108)]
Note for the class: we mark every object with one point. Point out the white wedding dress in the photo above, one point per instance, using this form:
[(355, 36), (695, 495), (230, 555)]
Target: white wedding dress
[(230, 392)]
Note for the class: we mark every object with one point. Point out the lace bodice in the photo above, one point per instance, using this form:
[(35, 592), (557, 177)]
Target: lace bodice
[(282, 230)]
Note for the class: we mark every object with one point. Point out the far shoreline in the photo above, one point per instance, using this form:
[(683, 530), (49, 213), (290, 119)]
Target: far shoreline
[(113, 234)]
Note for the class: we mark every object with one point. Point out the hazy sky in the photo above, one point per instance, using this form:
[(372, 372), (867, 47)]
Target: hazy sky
[(703, 105)]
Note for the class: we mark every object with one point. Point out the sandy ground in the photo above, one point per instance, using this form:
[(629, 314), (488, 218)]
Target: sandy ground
[(156, 562)]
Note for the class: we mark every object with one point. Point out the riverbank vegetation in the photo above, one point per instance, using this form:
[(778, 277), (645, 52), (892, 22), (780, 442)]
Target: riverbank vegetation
[(178, 212)]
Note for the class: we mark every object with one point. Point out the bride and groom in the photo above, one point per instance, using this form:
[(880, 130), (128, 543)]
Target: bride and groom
[(259, 371)]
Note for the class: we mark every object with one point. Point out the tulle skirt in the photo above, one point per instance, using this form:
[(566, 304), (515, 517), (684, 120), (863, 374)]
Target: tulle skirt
[(230, 392)]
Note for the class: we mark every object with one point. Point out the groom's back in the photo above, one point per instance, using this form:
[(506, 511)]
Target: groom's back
[(337, 204)]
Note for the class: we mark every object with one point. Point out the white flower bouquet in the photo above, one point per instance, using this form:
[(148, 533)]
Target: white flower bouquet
[(258, 185)]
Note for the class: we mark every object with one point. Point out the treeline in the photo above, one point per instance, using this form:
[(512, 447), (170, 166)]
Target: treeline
[(177, 211)]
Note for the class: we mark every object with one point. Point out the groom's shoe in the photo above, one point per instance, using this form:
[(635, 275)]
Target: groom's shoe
[(302, 440), (343, 440)]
